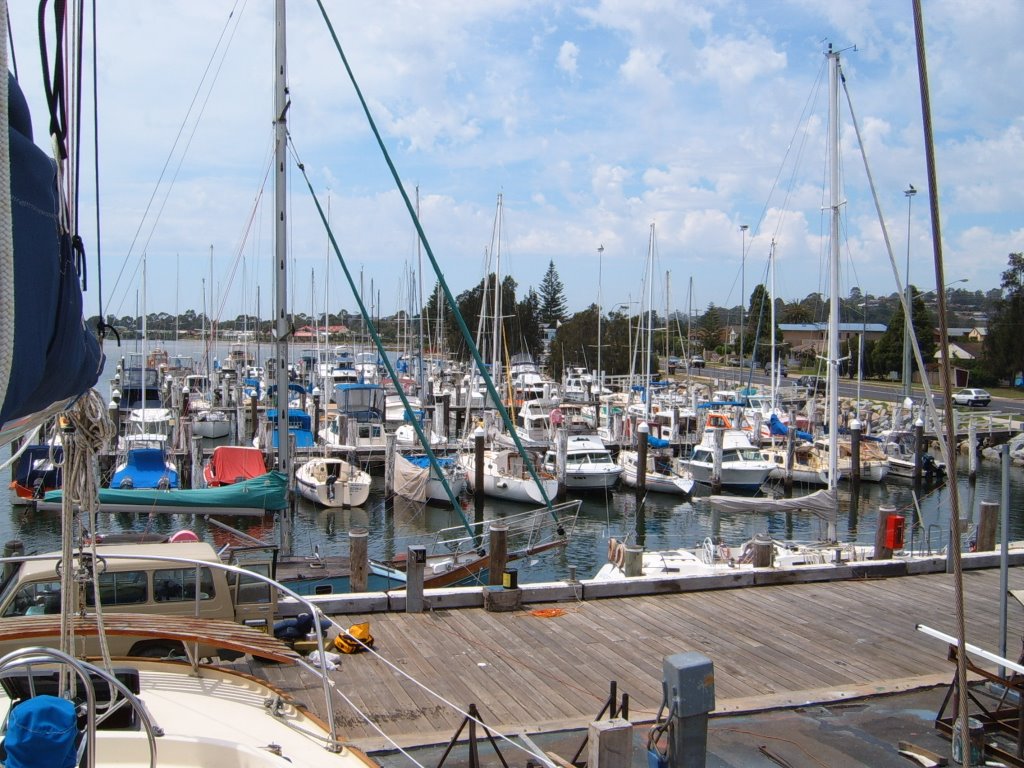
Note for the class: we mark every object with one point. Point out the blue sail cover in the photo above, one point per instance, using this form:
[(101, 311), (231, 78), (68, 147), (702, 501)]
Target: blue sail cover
[(55, 356), (778, 428)]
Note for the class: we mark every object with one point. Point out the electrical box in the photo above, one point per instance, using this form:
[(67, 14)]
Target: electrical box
[(689, 680)]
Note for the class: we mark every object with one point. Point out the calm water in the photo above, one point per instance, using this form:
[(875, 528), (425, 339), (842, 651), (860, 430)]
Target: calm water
[(663, 521)]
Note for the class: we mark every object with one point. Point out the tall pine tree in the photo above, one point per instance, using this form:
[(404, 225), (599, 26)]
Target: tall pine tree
[(552, 297)]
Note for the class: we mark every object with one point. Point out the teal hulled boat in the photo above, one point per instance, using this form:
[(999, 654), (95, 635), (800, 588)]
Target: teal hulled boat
[(257, 496)]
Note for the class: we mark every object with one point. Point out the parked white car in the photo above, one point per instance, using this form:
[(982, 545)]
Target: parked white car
[(972, 397)]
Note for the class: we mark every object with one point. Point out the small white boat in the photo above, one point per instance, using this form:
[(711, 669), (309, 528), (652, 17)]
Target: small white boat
[(332, 482), (211, 424), (743, 466), (588, 464), (506, 477), (661, 476), (406, 437)]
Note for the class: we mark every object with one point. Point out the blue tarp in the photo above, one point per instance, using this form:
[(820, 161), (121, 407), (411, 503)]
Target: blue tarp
[(778, 428), (145, 468), (55, 356), (657, 442)]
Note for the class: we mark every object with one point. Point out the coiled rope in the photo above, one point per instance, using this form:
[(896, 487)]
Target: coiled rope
[(86, 429)]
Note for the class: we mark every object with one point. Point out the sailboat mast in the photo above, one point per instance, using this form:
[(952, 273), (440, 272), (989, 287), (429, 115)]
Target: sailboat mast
[(771, 328), (650, 326), (833, 315), (496, 327), (280, 242)]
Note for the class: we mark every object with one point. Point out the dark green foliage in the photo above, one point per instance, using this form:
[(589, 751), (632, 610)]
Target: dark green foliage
[(1004, 342), (552, 297)]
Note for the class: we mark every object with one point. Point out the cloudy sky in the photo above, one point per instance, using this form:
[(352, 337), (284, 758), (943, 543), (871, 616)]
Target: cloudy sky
[(592, 120)]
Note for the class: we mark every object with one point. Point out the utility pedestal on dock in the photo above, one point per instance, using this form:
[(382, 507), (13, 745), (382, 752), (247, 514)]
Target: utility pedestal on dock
[(688, 688)]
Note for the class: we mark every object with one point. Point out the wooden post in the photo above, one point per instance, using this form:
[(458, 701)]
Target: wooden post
[(855, 451), (918, 449), (972, 456), (499, 554), (562, 453), (763, 551), (716, 468), (787, 481), (415, 562), (883, 552), (641, 460), (358, 560), (254, 420), (478, 472), (610, 743), (114, 408), (633, 561), (389, 464), (444, 427), (988, 514)]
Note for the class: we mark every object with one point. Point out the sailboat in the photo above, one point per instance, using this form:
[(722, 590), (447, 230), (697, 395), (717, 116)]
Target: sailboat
[(661, 472)]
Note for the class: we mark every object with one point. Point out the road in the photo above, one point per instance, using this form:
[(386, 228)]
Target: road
[(869, 390)]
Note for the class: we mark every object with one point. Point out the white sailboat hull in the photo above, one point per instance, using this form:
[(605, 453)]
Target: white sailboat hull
[(332, 483)]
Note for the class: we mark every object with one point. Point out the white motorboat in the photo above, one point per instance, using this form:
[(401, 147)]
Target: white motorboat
[(589, 465), (332, 482), (742, 465)]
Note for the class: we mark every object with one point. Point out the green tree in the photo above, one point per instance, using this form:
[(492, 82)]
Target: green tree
[(1004, 342), (796, 313), (526, 330), (887, 353), (552, 297), (709, 328)]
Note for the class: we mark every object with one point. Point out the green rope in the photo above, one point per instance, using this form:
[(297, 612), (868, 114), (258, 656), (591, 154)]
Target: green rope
[(449, 298)]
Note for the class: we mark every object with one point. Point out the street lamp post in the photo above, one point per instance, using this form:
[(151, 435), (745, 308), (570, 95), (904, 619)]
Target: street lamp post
[(860, 354), (908, 319), (743, 286)]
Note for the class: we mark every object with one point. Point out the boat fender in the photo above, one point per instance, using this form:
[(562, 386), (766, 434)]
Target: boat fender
[(612, 544), (620, 555)]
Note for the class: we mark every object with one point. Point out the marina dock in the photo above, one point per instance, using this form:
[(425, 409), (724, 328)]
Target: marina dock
[(548, 666)]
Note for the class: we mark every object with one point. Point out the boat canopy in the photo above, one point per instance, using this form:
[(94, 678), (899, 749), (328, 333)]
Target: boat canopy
[(820, 503), (54, 355), (231, 463)]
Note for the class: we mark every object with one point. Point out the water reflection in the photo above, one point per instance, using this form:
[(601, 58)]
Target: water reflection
[(659, 522)]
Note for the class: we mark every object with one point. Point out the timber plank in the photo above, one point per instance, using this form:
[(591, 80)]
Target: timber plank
[(763, 640)]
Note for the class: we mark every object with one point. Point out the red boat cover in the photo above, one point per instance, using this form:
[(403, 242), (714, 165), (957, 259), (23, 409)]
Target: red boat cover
[(233, 463)]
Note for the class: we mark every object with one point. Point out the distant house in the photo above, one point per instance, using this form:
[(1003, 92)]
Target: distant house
[(808, 338), (307, 333), (977, 334), (961, 350)]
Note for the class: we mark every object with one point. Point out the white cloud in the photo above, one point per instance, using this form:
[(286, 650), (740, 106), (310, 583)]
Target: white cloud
[(568, 54), (698, 114)]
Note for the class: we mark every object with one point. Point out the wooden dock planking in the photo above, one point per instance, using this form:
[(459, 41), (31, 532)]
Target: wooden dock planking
[(791, 640)]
